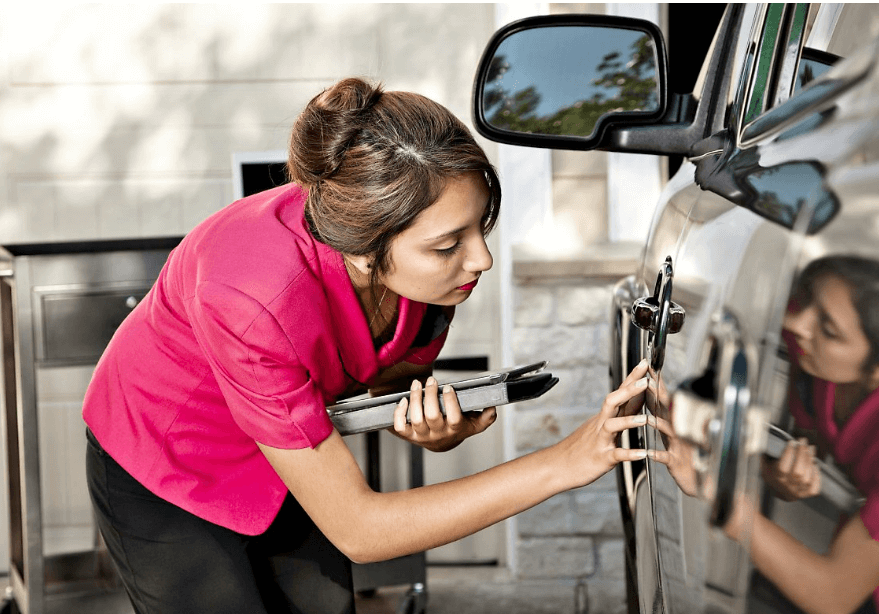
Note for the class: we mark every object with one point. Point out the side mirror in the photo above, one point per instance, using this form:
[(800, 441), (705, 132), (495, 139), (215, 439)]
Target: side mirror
[(560, 80)]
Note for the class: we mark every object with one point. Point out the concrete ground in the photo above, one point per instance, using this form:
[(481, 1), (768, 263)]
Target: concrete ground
[(478, 590), (450, 590)]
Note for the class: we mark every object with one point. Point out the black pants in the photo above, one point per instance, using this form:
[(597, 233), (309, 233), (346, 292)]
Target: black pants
[(171, 561)]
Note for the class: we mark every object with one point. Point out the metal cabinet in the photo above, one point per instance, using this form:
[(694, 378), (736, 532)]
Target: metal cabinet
[(59, 306)]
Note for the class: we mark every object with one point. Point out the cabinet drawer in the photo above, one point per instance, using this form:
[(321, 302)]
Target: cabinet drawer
[(75, 326)]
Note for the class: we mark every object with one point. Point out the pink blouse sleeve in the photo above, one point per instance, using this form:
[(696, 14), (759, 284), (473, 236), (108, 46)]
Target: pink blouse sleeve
[(268, 390)]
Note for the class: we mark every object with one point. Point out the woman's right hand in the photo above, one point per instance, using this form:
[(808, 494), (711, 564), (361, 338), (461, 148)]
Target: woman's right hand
[(420, 421), (591, 450), (795, 475)]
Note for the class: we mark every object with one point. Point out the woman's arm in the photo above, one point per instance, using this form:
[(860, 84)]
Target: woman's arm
[(835, 583), (369, 526)]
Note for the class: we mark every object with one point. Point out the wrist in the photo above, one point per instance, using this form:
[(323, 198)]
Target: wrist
[(741, 518), (563, 471)]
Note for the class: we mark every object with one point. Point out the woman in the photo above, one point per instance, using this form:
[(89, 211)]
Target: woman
[(832, 331), (217, 478)]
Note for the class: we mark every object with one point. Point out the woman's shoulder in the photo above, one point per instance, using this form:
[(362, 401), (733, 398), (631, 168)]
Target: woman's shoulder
[(276, 214), (259, 245)]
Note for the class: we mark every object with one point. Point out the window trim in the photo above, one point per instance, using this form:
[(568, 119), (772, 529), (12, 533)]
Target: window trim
[(763, 67), (778, 55)]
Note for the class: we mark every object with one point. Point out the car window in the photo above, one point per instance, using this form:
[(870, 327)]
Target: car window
[(778, 47), (762, 70), (790, 49)]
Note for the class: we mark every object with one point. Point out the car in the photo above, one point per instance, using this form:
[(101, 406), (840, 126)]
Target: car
[(776, 198)]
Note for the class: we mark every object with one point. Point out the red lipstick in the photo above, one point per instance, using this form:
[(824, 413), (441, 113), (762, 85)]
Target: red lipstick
[(468, 287)]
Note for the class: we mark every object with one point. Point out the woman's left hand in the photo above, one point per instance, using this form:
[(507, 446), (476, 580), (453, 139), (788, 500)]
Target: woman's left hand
[(428, 427), (795, 475)]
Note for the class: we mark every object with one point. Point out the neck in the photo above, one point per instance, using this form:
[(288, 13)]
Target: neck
[(379, 304), (848, 399)]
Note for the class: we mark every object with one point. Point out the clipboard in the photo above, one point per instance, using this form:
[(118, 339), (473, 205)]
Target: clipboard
[(490, 389), (835, 487)]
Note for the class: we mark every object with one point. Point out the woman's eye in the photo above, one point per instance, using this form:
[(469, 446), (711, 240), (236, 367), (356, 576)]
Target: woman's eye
[(448, 251), (827, 330)]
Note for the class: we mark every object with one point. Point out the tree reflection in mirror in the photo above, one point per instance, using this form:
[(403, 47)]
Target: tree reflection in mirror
[(562, 80)]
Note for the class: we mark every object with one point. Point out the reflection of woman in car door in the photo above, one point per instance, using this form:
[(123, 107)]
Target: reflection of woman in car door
[(832, 331)]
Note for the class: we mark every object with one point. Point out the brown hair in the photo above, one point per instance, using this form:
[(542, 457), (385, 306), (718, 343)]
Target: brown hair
[(373, 160), (862, 277)]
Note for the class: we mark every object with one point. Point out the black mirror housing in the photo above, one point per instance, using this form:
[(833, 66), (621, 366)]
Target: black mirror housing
[(564, 81)]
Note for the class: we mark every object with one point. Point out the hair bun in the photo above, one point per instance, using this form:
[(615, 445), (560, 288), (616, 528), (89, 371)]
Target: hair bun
[(324, 131)]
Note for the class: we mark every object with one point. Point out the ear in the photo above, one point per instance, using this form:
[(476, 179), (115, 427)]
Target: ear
[(363, 264)]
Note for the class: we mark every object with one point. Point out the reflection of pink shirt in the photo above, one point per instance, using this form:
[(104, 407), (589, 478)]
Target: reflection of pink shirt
[(251, 329), (855, 445)]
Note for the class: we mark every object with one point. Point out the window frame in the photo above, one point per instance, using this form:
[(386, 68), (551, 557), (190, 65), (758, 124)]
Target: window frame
[(773, 61)]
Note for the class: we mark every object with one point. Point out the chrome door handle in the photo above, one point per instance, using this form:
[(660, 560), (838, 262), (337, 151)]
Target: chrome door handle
[(658, 315), (710, 414), (646, 315)]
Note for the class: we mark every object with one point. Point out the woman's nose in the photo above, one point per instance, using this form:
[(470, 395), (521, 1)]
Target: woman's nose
[(800, 323), (478, 256)]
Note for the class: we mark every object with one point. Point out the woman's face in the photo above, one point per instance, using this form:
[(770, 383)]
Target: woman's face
[(831, 343), (440, 257)]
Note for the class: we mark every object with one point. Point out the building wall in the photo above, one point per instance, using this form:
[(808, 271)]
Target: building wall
[(120, 121), (562, 314)]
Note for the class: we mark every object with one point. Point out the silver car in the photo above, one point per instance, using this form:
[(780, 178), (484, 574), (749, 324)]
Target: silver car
[(756, 301)]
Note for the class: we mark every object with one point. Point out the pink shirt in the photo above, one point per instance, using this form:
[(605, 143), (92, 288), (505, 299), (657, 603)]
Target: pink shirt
[(855, 444), (250, 330)]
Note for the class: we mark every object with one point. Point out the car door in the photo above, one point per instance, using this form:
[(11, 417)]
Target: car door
[(809, 163), (698, 240), (727, 267)]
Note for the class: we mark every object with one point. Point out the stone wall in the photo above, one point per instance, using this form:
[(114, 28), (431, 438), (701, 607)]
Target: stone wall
[(562, 314)]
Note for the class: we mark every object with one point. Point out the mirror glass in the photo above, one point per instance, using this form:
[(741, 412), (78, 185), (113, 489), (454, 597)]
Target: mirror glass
[(561, 80), (813, 64)]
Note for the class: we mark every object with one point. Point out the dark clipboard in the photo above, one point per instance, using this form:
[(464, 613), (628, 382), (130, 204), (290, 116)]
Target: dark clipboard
[(835, 487), (489, 389)]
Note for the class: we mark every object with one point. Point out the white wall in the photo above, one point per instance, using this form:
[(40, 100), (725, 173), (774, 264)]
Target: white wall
[(634, 181), (118, 121)]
